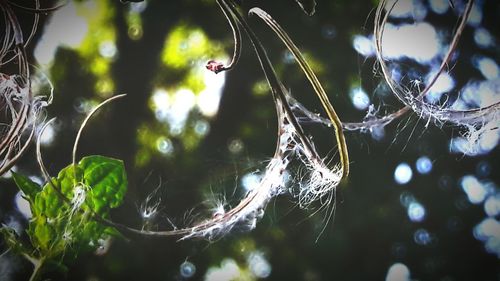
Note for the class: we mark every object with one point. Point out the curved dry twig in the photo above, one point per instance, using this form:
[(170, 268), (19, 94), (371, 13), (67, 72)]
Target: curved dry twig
[(217, 67), (84, 123), (318, 88), (416, 103), (17, 101), (250, 209), (37, 9), (10, 43), (291, 141), (39, 159)]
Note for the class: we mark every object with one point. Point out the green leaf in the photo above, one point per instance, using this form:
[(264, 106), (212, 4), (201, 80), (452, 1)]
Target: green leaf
[(67, 181), (108, 180), (27, 186), (44, 234), (48, 203), (66, 228)]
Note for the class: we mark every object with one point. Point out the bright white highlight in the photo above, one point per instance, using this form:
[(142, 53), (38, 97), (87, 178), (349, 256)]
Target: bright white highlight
[(251, 181), (359, 99), (492, 205), (443, 84), (488, 67), (48, 135), (476, 15), (229, 270), (161, 101), (137, 7), (416, 212), (418, 42), (406, 9), (22, 205), (107, 49), (258, 264), (164, 146), (483, 38), (208, 100), (318, 183), (481, 94), (398, 272), (57, 33), (403, 173), (79, 195), (475, 190), (201, 127), (364, 45), (439, 6), (488, 231), (187, 269), (424, 165), (174, 109), (477, 141)]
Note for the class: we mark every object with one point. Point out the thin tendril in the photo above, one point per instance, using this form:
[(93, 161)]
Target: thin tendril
[(276, 87), (378, 31), (37, 9), (219, 67), (85, 121), (318, 89), (39, 159), (416, 103)]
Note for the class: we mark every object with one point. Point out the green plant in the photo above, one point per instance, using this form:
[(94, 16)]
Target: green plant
[(71, 212), (63, 210)]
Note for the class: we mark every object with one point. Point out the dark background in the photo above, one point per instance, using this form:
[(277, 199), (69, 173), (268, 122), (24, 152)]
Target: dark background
[(370, 230)]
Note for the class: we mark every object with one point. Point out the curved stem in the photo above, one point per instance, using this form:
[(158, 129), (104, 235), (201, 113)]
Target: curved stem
[(18, 39), (276, 86), (335, 120), (84, 123), (39, 159), (35, 24), (37, 267), (36, 275), (37, 8), (257, 198), (379, 24), (416, 103), (218, 67)]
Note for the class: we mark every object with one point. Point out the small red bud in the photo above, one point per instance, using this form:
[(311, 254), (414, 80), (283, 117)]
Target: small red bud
[(214, 66)]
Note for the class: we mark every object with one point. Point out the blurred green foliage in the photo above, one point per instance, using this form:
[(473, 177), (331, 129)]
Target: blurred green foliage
[(165, 48)]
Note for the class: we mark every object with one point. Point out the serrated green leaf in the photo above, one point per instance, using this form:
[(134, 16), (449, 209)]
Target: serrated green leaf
[(27, 186), (59, 228), (49, 203), (107, 179)]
